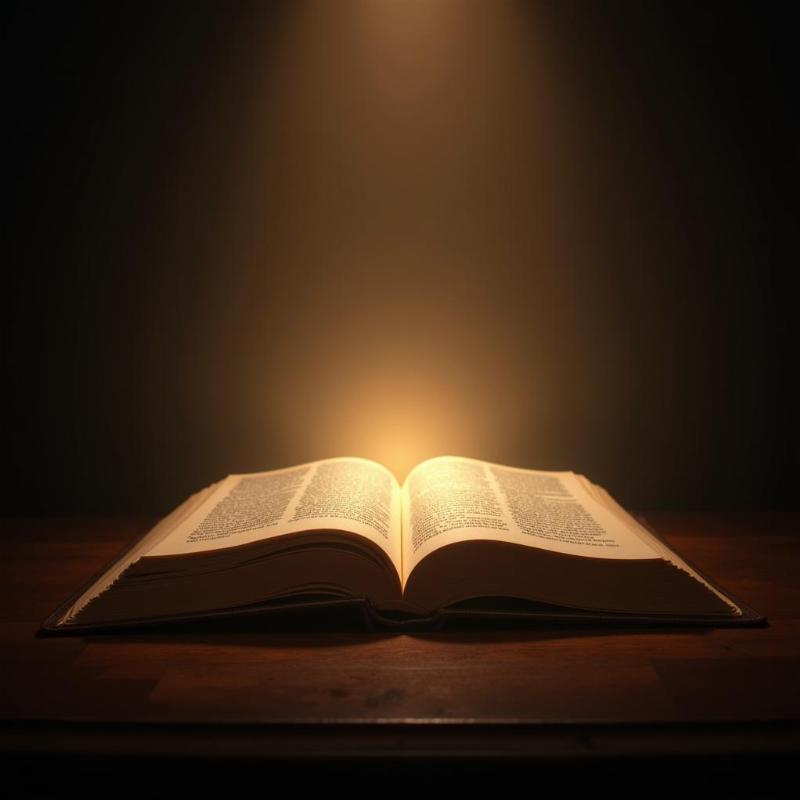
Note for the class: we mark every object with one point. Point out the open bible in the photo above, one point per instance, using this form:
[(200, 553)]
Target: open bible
[(460, 538)]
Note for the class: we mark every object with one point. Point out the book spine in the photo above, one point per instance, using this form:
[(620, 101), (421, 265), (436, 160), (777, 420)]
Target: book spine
[(382, 620)]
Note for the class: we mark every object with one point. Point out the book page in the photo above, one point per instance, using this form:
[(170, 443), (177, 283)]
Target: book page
[(349, 494), (147, 543), (603, 497), (450, 499)]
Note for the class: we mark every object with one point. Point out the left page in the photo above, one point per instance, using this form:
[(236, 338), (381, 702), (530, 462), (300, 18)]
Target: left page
[(145, 545), (349, 494)]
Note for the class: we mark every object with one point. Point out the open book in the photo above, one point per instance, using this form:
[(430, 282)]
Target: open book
[(460, 537)]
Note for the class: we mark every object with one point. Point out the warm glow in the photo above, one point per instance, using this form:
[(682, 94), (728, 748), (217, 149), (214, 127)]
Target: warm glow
[(394, 266), (393, 329)]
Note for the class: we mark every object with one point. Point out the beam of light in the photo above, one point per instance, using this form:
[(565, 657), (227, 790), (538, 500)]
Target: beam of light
[(391, 274)]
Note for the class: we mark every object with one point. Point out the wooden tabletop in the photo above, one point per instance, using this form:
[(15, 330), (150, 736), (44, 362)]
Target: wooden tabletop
[(472, 693)]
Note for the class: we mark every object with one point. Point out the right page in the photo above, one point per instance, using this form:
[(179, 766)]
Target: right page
[(603, 497), (473, 529), (450, 499)]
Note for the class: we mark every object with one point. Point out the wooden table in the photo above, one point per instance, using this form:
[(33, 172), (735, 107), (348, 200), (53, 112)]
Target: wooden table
[(718, 707)]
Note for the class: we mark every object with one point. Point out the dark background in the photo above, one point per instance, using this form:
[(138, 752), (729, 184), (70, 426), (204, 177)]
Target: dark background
[(243, 236)]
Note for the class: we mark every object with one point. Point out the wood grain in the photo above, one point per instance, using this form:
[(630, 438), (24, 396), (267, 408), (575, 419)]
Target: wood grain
[(303, 686)]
